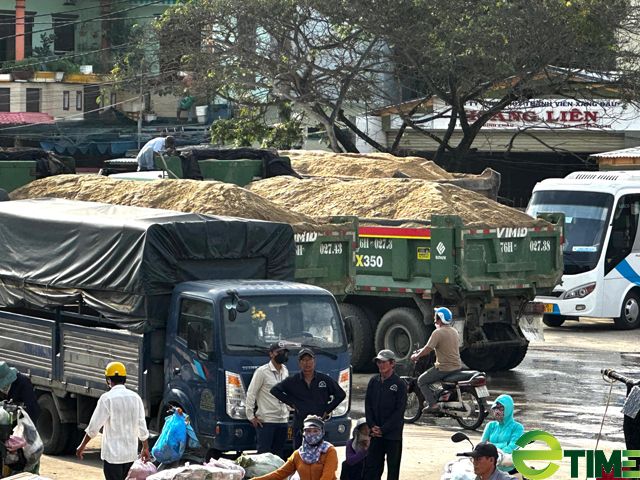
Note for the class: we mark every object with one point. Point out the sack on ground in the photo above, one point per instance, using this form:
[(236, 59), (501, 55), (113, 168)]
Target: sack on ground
[(173, 439), (34, 448), (259, 464), (226, 464), (141, 470), (197, 472)]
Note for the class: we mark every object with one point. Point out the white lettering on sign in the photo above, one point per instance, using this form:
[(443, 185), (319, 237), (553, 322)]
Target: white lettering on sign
[(330, 249), (299, 250), (383, 243), (540, 245), (512, 232), (507, 247), (441, 248), (306, 237), (369, 261)]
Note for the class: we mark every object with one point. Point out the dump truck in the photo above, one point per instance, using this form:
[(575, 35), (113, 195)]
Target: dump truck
[(188, 303), (486, 276)]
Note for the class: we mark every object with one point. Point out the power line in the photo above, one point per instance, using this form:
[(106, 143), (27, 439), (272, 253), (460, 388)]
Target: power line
[(82, 21)]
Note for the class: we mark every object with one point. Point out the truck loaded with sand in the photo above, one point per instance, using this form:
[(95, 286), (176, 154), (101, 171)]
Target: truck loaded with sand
[(417, 243)]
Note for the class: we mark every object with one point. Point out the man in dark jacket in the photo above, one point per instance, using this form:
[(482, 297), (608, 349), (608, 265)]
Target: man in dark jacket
[(384, 406), (308, 393), (17, 388)]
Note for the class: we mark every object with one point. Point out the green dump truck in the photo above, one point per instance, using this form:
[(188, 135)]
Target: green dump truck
[(487, 277)]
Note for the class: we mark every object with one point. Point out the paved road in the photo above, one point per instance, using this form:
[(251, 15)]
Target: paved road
[(558, 388)]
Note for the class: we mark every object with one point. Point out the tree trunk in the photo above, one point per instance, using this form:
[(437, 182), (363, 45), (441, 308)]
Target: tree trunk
[(345, 140)]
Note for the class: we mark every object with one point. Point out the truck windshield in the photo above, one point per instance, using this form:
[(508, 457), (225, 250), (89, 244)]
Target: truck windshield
[(309, 320), (587, 215)]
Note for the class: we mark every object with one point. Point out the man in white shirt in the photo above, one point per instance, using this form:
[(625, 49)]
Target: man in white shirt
[(268, 414), (148, 153), (121, 412)]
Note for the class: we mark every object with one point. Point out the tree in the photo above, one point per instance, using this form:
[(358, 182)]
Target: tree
[(499, 52), (259, 53)]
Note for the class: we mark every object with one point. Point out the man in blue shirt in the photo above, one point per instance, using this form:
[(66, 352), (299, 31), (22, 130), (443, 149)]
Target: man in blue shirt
[(384, 406)]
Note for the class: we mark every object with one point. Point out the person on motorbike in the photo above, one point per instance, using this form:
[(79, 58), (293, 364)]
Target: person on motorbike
[(485, 459), (504, 431), (445, 341)]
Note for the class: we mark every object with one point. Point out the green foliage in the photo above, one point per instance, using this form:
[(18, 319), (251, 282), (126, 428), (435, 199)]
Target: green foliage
[(45, 49), (240, 132), (27, 64), (284, 136), (63, 65)]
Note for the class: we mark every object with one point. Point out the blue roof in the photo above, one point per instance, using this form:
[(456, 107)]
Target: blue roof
[(218, 288)]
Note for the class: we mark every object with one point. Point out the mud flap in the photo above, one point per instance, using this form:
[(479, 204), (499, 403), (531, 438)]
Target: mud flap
[(532, 327)]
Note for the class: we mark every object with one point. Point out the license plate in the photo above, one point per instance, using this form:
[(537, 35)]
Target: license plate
[(290, 434), (548, 308), (482, 392)]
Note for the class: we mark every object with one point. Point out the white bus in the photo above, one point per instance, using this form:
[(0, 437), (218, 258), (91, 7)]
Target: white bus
[(601, 250)]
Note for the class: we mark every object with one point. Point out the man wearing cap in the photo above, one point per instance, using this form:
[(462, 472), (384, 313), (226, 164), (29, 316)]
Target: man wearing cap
[(16, 387), (268, 414), (485, 458), (121, 412), (308, 393), (147, 156), (445, 341), (384, 405)]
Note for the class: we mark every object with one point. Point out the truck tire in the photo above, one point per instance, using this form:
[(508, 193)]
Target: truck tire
[(629, 318), (553, 320), (402, 331), (485, 359), (362, 342), (4, 196), (514, 356), (54, 434)]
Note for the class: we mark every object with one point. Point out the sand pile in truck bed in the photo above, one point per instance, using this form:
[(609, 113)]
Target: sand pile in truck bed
[(190, 196), (370, 165), (395, 198)]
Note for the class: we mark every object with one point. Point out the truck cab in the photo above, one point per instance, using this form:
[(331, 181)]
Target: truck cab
[(219, 333)]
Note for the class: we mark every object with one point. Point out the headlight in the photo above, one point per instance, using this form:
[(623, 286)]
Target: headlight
[(580, 292), (236, 397), (344, 380)]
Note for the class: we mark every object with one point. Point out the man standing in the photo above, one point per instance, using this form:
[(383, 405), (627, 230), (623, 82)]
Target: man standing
[(384, 405), (121, 413), (268, 414), (16, 387), (445, 341), (485, 457), (147, 156), (308, 393)]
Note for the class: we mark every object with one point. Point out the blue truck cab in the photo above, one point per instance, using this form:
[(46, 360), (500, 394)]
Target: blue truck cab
[(213, 349)]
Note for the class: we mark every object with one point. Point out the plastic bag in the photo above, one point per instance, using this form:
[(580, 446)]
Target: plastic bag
[(192, 439), (196, 472), (141, 470), (15, 442), (173, 439), (5, 418), (226, 464), (459, 470), (186, 102), (34, 448), (262, 464)]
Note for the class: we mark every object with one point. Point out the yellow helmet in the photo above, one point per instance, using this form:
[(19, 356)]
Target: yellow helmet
[(115, 369)]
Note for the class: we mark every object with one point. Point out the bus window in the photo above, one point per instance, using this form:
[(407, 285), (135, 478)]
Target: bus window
[(624, 226)]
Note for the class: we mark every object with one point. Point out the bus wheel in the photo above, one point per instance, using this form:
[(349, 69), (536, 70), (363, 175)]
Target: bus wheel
[(553, 320), (630, 315)]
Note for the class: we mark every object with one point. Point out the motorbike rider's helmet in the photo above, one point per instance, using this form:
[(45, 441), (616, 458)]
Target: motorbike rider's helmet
[(444, 315)]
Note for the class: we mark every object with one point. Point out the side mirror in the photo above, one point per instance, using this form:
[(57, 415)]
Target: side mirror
[(193, 335), (243, 306), (459, 437)]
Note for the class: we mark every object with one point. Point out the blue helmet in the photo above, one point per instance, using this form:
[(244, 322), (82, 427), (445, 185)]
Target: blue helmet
[(444, 315)]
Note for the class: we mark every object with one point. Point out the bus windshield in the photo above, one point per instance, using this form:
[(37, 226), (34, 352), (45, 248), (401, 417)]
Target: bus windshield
[(587, 217), (297, 320)]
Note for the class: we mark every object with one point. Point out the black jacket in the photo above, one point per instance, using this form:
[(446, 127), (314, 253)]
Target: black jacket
[(313, 400), (21, 391), (384, 405)]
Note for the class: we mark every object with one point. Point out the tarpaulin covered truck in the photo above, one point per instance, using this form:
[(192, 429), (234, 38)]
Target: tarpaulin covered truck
[(189, 303)]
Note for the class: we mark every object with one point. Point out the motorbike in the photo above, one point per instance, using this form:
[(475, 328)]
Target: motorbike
[(462, 468), (460, 395)]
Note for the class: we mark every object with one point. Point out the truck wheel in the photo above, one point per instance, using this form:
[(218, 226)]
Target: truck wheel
[(483, 359), (630, 315), (4, 196), (54, 434), (402, 331), (514, 355), (361, 342), (553, 320)]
